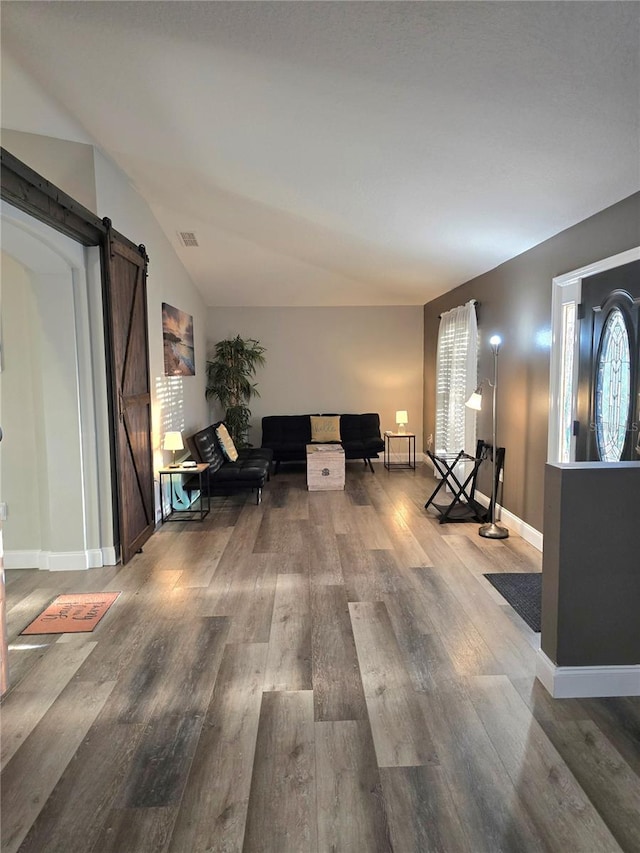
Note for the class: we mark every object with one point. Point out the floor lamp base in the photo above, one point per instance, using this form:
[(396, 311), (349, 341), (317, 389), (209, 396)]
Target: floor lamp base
[(493, 531)]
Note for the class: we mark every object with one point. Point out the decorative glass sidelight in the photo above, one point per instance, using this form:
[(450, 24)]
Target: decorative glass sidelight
[(567, 380), (613, 388)]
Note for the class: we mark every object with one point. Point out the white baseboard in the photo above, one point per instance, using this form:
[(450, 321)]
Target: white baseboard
[(526, 531), (22, 559), (580, 682), (95, 559), (110, 556), (61, 561)]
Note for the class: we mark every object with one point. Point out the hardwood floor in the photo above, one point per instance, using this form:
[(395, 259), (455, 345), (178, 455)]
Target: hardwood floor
[(328, 671)]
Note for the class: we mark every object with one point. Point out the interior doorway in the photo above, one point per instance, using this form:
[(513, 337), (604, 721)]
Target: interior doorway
[(55, 463), (128, 402)]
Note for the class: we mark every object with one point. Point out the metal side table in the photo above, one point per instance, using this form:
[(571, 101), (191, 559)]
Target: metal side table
[(397, 437), (204, 501)]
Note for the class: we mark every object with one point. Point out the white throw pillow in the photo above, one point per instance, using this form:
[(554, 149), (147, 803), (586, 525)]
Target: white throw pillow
[(226, 443)]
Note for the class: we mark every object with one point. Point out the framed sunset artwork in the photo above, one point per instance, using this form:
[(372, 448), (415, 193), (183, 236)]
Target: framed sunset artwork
[(177, 339)]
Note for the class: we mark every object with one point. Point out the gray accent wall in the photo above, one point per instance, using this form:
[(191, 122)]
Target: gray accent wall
[(591, 568), (515, 302)]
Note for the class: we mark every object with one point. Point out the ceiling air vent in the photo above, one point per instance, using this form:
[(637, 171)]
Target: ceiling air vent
[(188, 239)]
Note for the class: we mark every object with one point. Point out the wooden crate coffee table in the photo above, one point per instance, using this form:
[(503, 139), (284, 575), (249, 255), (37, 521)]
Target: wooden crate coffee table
[(325, 467)]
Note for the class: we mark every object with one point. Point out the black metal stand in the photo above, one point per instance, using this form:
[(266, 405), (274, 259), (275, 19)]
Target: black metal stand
[(463, 505)]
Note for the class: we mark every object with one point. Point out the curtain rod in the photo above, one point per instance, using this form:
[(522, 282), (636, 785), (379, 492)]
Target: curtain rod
[(474, 301)]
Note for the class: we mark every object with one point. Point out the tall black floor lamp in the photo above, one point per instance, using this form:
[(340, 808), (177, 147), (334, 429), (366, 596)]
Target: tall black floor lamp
[(491, 530)]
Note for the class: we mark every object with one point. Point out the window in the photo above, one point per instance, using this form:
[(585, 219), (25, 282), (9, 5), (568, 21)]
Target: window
[(613, 388), (567, 380), (456, 379)]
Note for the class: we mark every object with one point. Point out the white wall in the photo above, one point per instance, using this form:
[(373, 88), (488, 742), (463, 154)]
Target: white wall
[(23, 480), (177, 402), (43, 135), (27, 108), (354, 359), (71, 162)]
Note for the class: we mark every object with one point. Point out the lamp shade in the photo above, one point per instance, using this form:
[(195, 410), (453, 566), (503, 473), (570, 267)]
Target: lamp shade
[(475, 400), (173, 441), (402, 417)]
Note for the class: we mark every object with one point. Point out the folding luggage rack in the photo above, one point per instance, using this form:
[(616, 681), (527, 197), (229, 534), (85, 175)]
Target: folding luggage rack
[(463, 505)]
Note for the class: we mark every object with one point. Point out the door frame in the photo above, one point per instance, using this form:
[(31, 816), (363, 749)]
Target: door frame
[(30, 192), (567, 288)]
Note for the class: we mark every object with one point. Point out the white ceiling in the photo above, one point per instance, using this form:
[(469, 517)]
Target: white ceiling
[(349, 153)]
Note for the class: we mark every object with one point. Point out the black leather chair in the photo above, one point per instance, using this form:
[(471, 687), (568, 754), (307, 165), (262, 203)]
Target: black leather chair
[(250, 471)]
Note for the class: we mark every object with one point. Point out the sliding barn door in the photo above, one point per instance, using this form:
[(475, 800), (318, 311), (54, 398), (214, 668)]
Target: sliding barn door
[(126, 308)]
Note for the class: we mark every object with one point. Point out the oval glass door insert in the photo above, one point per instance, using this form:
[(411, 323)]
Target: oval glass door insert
[(613, 388)]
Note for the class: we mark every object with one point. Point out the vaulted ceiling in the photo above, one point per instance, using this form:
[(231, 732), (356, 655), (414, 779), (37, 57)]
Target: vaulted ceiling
[(349, 153)]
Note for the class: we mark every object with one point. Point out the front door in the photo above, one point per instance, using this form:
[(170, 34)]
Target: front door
[(608, 402)]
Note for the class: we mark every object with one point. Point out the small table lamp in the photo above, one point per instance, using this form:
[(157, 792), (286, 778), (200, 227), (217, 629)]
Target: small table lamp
[(401, 420), (173, 441)]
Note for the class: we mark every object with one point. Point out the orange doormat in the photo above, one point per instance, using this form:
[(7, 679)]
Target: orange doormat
[(68, 614)]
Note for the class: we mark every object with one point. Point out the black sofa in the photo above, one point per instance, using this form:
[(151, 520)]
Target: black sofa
[(287, 437), (250, 471)]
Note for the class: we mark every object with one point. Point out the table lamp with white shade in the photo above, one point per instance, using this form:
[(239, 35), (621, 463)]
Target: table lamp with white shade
[(401, 420), (173, 441)]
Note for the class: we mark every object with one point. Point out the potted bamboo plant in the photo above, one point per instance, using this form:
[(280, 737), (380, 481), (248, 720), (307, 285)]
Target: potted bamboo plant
[(229, 375)]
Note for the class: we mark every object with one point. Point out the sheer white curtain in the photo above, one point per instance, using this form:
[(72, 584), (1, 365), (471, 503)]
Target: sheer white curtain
[(456, 379)]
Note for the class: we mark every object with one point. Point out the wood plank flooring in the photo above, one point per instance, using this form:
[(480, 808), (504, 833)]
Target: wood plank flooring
[(328, 671)]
